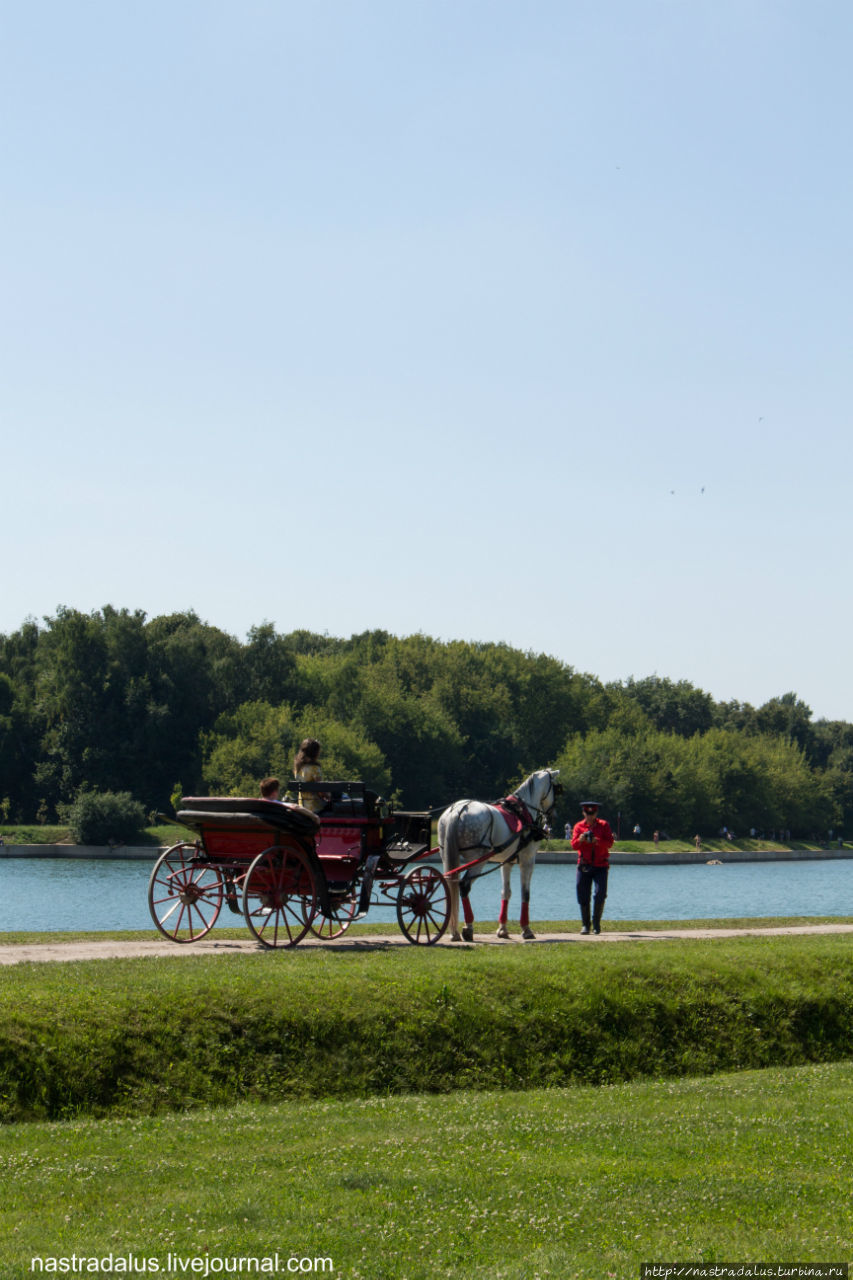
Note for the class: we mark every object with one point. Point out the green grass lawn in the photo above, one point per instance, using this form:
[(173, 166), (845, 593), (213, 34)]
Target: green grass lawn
[(563, 1183), (36, 834), (656, 1161), (149, 1035)]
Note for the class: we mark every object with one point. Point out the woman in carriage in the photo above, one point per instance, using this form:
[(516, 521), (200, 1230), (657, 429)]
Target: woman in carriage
[(307, 768)]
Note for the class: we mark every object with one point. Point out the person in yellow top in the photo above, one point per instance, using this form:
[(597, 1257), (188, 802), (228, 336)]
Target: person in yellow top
[(306, 768)]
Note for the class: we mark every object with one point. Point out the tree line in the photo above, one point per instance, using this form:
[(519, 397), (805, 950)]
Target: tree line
[(111, 701)]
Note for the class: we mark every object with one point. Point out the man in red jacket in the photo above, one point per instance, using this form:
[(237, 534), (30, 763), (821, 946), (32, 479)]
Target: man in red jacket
[(592, 840)]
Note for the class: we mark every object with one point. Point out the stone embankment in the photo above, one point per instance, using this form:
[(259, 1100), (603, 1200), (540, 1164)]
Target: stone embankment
[(557, 857), (724, 855)]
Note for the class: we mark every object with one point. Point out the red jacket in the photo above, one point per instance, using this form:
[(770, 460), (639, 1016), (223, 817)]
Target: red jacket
[(596, 854)]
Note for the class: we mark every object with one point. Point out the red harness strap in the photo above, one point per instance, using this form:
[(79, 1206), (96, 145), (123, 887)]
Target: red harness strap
[(515, 814), (517, 817)]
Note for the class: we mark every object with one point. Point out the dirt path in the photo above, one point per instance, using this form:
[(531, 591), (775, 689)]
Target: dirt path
[(112, 949)]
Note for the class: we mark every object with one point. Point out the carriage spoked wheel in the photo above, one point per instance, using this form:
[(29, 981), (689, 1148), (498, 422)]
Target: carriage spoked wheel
[(184, 894), (280, 897), (342, 909), (423, 905)]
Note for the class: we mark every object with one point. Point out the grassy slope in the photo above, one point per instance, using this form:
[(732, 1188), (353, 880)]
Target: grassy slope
[(567, 1184), (152, 1035)]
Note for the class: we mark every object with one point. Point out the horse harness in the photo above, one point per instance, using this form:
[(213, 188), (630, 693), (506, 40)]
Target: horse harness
[(532, 829), (524, 829)]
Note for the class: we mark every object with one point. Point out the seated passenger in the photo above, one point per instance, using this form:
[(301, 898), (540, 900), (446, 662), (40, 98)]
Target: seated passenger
[(306, 768), (270, 788)]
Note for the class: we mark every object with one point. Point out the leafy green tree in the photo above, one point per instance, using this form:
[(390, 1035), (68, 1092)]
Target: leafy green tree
[(8, 745), (72, 693), (267, 667), (787, 717), (23, 724), (648, 778), (104, 817), (195, 672), (832, 741), (481, 714), (739, 716), (311, 643), (112, 702), (674, 706), (257, 740), (122, 703), (699, 784), (383, 686)]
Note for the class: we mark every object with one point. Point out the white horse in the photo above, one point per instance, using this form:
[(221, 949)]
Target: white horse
[(471, 831)]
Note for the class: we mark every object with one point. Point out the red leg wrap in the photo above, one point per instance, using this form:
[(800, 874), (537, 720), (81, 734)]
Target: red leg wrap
[(467, 911), (502, 918), (525, 915)]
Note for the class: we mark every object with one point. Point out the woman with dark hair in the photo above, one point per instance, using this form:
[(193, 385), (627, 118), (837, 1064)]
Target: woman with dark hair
[(306, 768)]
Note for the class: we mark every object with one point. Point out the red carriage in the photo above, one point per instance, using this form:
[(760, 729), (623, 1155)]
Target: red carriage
[(289, 871)]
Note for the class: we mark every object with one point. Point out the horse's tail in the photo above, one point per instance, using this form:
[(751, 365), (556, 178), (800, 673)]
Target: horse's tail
[(448, 836), (448, 843)]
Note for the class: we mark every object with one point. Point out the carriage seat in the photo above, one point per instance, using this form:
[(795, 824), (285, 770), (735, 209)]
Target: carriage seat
[(342, 799), (247, 812)]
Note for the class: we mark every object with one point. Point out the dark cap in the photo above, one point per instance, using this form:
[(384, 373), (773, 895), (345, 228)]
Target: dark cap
[(586, 804)]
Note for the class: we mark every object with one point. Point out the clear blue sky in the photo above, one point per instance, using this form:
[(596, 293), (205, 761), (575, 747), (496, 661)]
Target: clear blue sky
[(494, 320)]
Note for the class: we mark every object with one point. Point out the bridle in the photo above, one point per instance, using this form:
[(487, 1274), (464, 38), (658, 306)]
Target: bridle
[(540, 814)]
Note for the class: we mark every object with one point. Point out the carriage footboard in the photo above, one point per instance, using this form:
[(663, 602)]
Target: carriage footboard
[(410, 835)]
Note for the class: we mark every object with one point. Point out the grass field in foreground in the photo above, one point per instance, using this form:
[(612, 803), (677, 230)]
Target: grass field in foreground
[(566, 1184), (146, 1035)]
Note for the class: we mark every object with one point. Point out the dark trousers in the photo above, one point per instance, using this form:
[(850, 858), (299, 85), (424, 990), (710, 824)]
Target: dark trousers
[(586, 879)]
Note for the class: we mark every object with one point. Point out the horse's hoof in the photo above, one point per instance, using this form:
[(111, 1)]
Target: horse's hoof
[(503, 932), (527, 933), (468, 933), (456, 937)]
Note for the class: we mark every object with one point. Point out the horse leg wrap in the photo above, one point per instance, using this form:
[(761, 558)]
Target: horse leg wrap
[(524, 919), (467, 910), (504, 915)]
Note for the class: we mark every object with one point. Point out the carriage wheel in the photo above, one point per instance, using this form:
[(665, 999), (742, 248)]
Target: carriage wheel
[(280, 897), (184, 894), (336, 924), (423, 905)]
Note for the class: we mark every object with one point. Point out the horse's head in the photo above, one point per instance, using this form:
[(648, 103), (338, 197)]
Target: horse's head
[(540, 790)]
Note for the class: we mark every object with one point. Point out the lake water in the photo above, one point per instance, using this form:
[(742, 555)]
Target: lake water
[(68, 894)]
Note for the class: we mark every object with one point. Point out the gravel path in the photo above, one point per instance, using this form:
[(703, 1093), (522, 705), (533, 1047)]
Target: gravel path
[(112, 949)]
